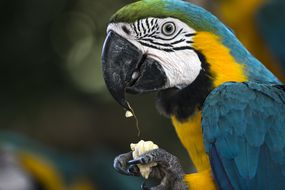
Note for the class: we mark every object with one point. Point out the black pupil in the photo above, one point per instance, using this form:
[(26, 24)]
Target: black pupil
[(168, 28)]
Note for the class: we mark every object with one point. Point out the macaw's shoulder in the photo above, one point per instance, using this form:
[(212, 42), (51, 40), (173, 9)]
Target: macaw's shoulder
[(244, 134)]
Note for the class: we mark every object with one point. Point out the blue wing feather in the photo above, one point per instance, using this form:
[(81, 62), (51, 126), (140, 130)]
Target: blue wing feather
[(244, 134), (221, 173)]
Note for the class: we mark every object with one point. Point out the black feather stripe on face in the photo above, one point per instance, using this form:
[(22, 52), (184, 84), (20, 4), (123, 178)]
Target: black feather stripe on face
[(183, 103)]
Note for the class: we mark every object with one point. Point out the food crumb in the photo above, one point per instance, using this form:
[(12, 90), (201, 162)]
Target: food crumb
[(129, 114), (139, 149)]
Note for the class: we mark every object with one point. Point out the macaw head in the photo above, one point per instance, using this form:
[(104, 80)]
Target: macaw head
[(158, 45)]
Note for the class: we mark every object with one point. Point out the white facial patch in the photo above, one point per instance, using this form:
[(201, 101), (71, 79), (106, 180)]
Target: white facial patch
[(181, 67), (168, 41)]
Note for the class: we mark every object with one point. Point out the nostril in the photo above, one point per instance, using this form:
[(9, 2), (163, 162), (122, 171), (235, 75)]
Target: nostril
[(126, 30)]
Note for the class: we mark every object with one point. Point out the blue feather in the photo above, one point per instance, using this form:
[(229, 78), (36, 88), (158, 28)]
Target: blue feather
[(248, 135), (224, 184)]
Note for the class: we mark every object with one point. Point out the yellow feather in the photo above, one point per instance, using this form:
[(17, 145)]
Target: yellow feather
[(42, 170), (201, 181), (241, 17), (190, 134), (224, 68), (222, 64)]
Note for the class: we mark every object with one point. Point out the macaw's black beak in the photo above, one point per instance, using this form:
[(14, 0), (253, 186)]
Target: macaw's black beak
[(127, 69)]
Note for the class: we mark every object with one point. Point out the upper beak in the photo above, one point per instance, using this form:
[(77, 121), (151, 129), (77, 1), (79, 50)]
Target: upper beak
[(126, 68)]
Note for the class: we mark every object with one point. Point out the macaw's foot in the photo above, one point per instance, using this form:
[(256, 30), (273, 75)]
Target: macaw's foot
[(168, 169), (121, 165)]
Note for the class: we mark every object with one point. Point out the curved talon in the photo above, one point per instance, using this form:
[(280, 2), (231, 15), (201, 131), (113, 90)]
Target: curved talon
[(137, 161), (133, 170), (121, 163), (168, 170), (118, 166), (144, 187)]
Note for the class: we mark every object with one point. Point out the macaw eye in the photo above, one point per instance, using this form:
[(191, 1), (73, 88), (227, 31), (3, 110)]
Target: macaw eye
[(168, 28)]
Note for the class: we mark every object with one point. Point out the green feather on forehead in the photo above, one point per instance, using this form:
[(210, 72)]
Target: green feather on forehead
[(196, 17)]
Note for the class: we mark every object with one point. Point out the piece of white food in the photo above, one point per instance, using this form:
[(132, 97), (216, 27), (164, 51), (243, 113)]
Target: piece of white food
[(129, 114), (139, 149)]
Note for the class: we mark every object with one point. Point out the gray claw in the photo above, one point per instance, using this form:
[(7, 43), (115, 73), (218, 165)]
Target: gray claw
[(168, 170), (120, 163), (141, 160), (133, 170)]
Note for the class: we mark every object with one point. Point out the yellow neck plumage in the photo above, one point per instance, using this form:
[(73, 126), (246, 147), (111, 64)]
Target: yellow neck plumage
[(224, 68), (222, 64), (190, 134)]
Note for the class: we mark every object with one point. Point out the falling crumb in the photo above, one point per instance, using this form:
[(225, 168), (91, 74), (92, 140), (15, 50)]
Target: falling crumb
[(139, 149), (129, 114)]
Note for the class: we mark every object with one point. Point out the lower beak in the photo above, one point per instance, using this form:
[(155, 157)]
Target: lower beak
[(126, 68)]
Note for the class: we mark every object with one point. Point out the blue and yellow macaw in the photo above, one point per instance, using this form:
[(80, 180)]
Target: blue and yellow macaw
[(226, 106)]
